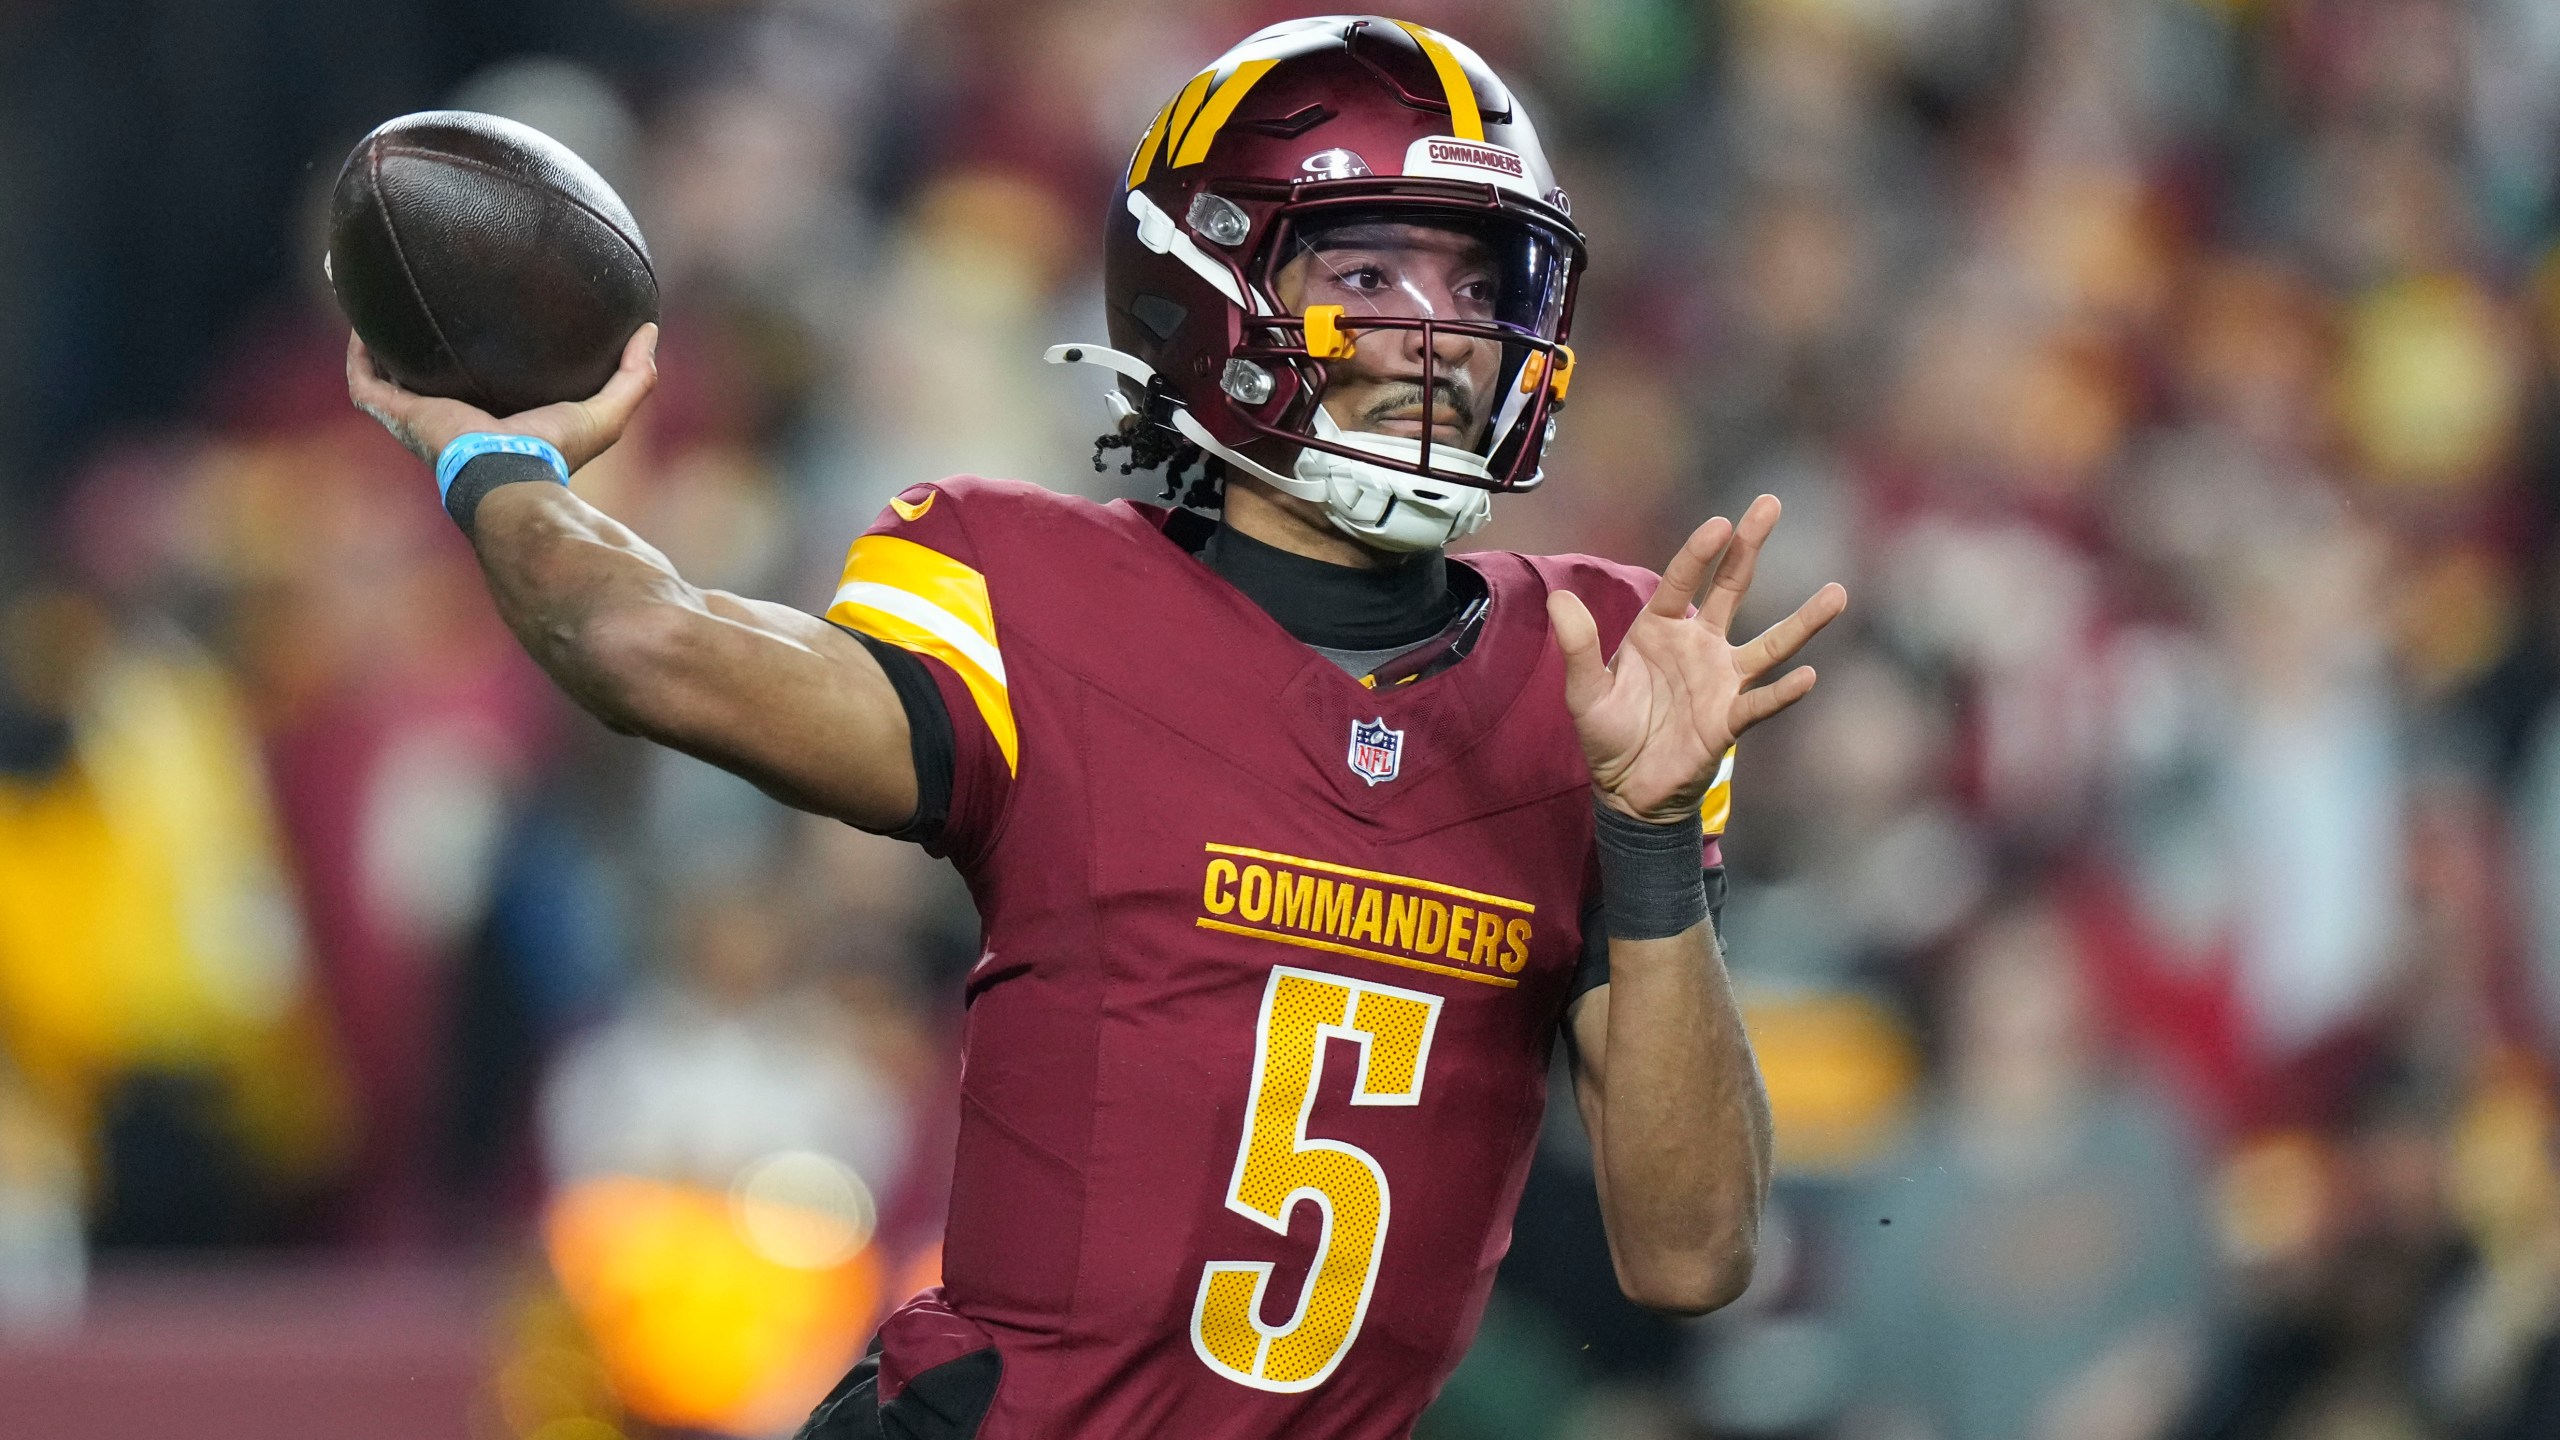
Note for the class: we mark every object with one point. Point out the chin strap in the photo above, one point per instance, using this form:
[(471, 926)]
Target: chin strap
[(1198, 434), (1118, 361), (1128, 366), (1380, 507)]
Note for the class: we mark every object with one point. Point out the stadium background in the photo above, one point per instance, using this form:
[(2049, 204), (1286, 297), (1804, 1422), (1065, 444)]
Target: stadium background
[(2151, 927)]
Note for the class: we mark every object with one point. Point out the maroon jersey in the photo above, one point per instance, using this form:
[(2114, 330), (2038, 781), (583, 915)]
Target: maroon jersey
[(1257, 1048)]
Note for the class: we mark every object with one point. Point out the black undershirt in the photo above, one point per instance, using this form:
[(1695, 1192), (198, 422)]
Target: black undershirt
[(1338, 607)]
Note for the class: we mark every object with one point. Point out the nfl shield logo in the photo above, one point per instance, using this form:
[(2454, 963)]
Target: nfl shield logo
[(1375, 750)]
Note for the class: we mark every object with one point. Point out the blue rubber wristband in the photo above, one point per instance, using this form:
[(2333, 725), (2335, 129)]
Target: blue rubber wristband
[(467, 448)]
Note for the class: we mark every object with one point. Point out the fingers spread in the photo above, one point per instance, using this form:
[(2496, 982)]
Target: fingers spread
[(1586, 675), (1688, 569), (1779, 643), (1733, 573), (1754, 706)]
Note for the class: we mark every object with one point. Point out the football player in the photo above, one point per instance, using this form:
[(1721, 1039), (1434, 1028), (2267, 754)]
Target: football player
[(1297, 842)]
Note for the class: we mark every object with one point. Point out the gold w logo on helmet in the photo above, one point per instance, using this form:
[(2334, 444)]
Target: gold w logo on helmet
[(1191, 119)]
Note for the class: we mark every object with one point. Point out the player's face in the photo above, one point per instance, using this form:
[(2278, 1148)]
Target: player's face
[(1388, 268)]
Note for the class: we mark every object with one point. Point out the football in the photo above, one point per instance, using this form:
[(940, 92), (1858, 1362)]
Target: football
[(483, 261)]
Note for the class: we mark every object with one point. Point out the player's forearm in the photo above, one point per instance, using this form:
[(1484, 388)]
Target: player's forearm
[(1683, 1147), (584, 595), (636, 645), (769, 693)]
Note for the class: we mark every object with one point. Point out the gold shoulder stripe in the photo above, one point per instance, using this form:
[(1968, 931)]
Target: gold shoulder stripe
[(1465, 120), (1204, 127), (1145, 159), (923, 600), (1718, 807)]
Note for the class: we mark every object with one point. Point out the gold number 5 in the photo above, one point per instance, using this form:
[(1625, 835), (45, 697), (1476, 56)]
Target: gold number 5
[(1277, 1166)]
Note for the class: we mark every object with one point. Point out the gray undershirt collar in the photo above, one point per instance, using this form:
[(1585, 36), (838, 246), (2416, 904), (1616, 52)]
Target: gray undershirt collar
[(1356, 663)]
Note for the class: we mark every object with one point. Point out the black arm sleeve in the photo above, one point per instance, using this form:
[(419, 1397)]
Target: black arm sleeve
[(930, 742), (1593, 970)]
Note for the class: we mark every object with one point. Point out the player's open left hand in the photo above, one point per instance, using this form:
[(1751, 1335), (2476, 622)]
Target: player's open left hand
[(581, 429), (1656, 721)]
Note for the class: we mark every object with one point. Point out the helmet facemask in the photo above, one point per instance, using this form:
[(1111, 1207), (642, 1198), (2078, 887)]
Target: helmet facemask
[(1412, 355), (1425, 327), (1407, 333)]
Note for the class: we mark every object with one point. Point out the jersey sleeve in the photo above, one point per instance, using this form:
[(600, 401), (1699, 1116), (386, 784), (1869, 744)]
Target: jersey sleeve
[(913, 582)]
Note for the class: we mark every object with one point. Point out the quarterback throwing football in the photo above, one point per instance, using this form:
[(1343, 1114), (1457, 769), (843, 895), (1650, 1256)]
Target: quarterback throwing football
[(1296, 842)]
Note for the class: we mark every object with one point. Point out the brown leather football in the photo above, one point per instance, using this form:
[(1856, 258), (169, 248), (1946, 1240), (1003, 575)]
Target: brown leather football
[(480, 259)]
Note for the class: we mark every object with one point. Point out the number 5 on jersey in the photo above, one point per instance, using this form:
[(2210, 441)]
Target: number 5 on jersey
[(1277, 1166)]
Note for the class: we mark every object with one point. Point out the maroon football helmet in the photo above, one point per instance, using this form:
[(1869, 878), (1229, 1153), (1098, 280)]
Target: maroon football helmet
[(1317, 127)]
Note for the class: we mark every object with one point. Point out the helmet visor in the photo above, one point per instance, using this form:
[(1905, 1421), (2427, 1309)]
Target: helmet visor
[(1444, 313)]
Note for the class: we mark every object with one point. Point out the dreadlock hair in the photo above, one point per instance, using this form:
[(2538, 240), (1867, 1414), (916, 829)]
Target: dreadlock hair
[(1153, 444)]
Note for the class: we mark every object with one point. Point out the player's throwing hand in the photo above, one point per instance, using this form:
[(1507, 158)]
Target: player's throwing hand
[(580, 429), (1656, 721)]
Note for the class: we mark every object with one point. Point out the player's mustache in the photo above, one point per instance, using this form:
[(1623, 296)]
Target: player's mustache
[(1406, 395)]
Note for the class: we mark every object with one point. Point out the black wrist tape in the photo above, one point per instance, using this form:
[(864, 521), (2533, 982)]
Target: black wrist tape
[(1652, 881), (487, 472)]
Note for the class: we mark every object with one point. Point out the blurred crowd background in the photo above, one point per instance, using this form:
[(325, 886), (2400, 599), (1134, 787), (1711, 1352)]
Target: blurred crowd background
[(2150, 928)]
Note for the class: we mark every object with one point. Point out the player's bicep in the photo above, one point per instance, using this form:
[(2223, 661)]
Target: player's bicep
[(790, 703)]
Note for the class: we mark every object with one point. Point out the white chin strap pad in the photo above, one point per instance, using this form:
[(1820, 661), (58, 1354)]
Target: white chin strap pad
[(1390, 509), (1381, 508)]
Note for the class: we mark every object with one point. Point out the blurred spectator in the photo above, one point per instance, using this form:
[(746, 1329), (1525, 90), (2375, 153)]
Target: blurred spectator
[(719, 1153), (733, 1058), (401, 722), (2493, 1356), (153, 990), (2034, 1263), (2340, 1277)]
